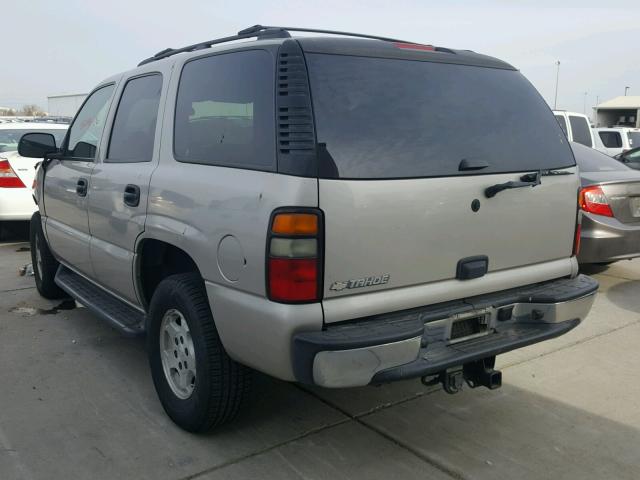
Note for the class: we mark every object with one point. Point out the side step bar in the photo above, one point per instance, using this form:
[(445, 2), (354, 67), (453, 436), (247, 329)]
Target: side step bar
[(123, 317)]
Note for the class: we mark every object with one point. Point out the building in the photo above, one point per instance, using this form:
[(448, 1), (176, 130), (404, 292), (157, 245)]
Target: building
[(621, 111), (64, 105)]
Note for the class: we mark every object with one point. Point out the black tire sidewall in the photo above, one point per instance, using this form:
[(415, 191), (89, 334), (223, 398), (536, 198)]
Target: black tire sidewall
[(45, 276), (190, 413)]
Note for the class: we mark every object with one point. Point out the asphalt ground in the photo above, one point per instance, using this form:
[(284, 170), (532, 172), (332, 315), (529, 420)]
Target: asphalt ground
[(77, 402)]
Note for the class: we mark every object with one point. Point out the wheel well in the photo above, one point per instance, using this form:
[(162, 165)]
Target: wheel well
[(156, 261)]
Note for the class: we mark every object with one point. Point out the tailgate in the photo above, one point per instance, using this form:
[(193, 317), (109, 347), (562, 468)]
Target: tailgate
[(410, 232), (624, 200), (406, 151)]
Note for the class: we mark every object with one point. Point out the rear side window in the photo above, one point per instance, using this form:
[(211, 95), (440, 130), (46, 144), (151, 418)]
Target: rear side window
[(225, 111), (611, 139), (634, 139), (581, 130), (563, 124), (383, 118), (134, 127)]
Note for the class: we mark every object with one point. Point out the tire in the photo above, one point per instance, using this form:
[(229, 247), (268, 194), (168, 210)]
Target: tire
[(44, 264), (215, 388)]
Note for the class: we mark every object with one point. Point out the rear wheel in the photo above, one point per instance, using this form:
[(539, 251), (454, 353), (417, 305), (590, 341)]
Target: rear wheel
[(199, 385), (44, 264)]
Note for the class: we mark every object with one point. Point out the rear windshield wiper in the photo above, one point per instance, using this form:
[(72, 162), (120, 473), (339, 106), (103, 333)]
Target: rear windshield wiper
[(526, 180)]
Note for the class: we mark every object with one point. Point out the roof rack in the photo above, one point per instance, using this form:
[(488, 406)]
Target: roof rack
[(261, 32)]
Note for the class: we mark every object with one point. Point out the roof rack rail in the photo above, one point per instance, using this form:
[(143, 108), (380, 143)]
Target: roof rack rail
[(261, 32)]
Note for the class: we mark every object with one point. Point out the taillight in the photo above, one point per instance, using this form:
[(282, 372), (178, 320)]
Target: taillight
[(294, 257), (593, 200), (8, 178)]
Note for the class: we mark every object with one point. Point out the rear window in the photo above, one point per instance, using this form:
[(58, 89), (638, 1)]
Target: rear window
[(581, 130), (383, 118), (590, 160), (611, 139)]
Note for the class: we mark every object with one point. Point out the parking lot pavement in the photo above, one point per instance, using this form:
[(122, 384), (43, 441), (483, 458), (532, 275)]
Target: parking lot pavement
[(77, 401)]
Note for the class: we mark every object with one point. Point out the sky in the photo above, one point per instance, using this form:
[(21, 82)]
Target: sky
[(68, 46)]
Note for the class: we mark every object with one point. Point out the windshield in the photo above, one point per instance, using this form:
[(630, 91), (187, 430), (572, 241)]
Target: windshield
[(384, 118), (634, 139), (9, 138), (590, 160)]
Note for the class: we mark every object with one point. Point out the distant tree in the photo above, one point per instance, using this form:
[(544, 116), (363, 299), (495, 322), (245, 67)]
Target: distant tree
[(31, 111), (7, 112)]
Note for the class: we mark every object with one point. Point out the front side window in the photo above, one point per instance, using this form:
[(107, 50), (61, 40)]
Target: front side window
[(87, 127), (134, 127), (387, 118), (225, 111), (611, 139), (581, 130)]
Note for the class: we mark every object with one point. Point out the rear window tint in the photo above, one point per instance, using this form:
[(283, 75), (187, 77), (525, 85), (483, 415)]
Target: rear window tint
[(590, 160), (580, 130), (611, 139), (383, 118), (134, 128), (225, 111)]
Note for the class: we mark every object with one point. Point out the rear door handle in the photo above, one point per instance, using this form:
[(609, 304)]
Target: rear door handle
[(132, 195), (81, 187)]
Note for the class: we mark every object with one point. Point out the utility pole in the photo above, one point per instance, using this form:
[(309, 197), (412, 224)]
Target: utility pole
[(555, 101), (625, 90), (584, 103)]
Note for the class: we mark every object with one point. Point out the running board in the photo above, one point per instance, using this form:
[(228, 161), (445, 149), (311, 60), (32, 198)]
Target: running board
[(123, 317)]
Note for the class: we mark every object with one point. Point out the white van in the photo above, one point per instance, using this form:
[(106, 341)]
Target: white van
[(576, 126), (615, 140)]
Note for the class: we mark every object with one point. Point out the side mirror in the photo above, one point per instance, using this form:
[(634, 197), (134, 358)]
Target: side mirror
[(37, 145)]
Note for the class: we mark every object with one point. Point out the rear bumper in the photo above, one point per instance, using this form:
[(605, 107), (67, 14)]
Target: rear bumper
[(418, 342), (16, 204), (606, 239)]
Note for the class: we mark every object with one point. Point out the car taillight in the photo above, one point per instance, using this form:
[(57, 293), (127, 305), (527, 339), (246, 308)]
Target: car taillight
[(8, 178), (593, 200), (294, 257)]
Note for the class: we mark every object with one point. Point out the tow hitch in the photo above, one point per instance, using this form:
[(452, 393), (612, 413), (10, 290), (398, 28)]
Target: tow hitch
[(476, 374)]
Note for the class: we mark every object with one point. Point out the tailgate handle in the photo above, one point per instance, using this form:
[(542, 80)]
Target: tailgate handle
[(472, 267)]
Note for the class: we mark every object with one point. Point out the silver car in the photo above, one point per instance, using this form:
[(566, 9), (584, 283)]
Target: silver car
[(337, 211), (610, 203)]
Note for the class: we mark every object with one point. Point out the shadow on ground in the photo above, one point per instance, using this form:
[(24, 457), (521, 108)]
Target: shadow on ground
[(14, 231)]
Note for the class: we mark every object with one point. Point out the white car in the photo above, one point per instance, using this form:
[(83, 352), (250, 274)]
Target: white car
[(577, 127), (17, 173), (616, 140)]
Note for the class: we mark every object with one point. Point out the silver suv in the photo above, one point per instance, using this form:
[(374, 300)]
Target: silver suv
[(336, 211)]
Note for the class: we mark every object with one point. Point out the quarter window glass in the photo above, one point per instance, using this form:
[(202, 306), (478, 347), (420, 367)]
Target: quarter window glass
[(611, 139), (563, 123), (634, 139), (87, 127), (581, 130), (224, 111), (134, 127)]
